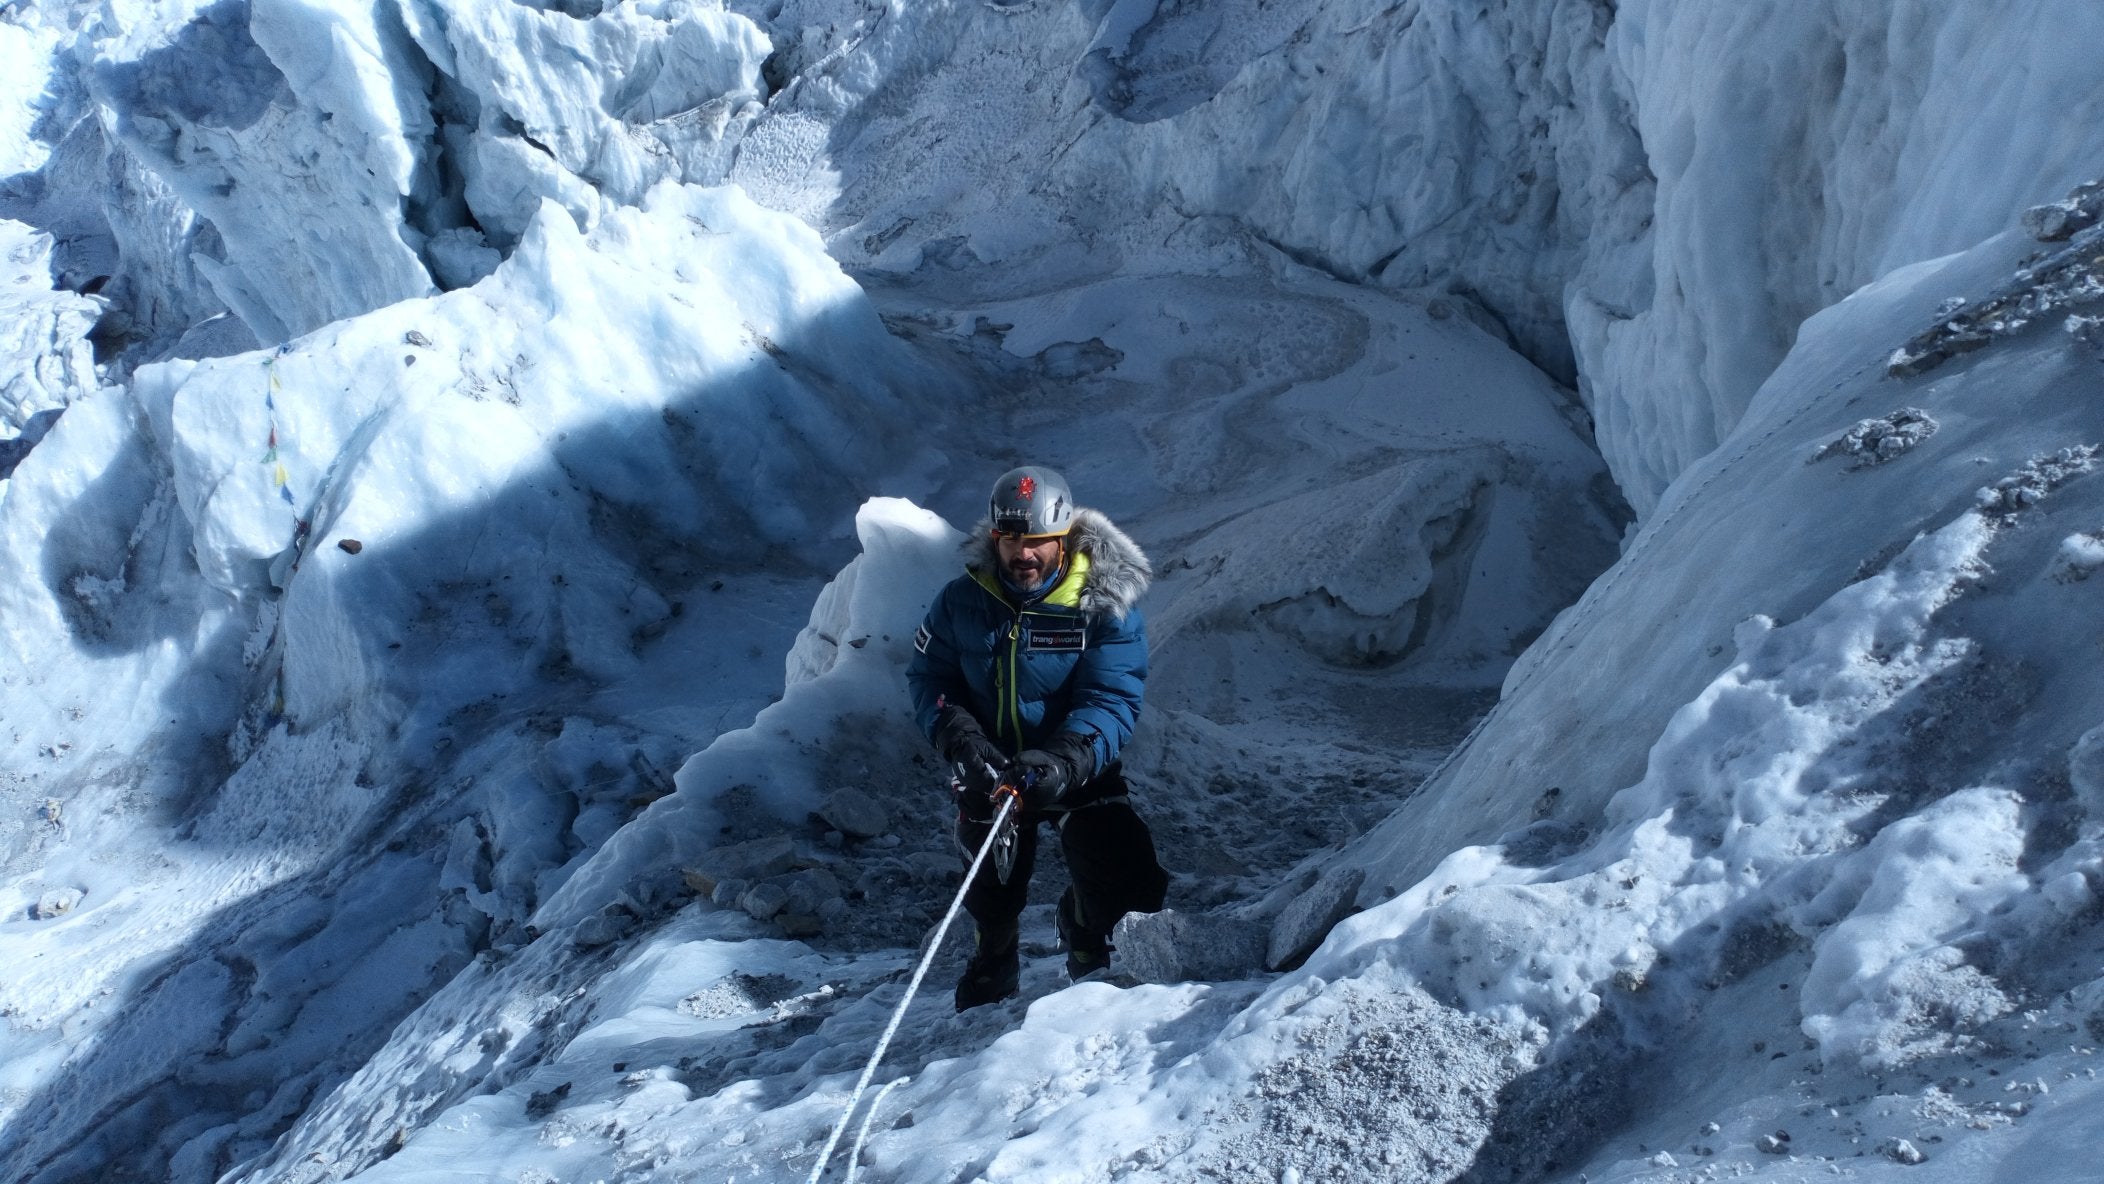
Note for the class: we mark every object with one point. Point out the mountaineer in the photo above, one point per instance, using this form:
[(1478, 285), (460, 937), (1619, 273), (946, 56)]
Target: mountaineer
[(1027, 678)]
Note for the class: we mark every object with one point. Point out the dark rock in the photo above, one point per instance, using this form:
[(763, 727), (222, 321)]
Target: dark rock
[(605, 927), (756, 859), (799, 924), (1173, 947), (764, 899), (854, 813), (1311, 916)]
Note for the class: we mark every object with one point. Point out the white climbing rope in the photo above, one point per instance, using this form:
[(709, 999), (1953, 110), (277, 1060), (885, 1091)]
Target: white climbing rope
[(891, 1029), (854, 1156)]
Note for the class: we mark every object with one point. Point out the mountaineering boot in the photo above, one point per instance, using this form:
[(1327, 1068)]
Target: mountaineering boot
[(994, 972), (1088, 950)]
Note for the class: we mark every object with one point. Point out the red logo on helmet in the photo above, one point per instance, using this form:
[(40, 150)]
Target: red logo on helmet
[(1026, 488)]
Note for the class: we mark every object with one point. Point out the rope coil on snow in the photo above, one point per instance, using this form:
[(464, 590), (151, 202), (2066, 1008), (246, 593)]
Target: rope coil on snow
[(891, 1029)]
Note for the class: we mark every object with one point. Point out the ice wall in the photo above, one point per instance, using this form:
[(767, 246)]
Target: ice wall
[(1825, 147), (253, 604), (44, 354), (1646, 216), (300, 162), (292, 127), (1648, 213), (1648, 199), (1838, 467)]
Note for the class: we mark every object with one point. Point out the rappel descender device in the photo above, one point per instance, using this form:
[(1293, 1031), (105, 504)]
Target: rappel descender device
[(1010, 829)]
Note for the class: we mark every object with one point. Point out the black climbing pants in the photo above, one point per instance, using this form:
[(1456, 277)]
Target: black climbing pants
[(1109, 853)]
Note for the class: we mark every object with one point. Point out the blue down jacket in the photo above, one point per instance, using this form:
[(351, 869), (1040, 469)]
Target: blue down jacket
[(1074, 660)]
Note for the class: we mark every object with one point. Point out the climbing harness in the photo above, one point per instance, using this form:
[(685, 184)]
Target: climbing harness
[(1008, 805)]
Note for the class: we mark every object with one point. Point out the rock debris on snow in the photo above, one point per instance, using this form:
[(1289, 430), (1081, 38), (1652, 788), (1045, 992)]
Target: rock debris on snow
[(56, 903), (2080, 555), (1901, 1151), (737, 994), (1405, 1094), (2072, 275), (1875, 441), (2039, 477), (2055, 221)]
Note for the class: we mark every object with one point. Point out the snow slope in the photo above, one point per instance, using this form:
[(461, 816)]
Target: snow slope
[(425, 730)]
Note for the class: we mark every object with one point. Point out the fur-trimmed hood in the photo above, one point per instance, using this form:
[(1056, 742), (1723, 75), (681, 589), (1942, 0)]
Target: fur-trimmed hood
[(1118, 570)]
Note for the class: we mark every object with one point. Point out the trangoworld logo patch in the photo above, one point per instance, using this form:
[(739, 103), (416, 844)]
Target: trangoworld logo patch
[(921, 638), (1057, 641)]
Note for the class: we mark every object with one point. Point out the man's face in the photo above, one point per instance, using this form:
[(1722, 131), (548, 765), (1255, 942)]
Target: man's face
[(1026, 562)]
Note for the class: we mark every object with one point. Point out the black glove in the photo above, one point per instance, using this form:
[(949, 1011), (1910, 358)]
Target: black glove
[(974, 760), (1066, 761)]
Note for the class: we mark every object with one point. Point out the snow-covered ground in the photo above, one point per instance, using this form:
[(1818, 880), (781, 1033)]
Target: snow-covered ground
[(1625, 511)]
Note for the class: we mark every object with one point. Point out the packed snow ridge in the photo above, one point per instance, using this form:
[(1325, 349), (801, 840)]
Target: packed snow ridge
[(1626, 509)]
